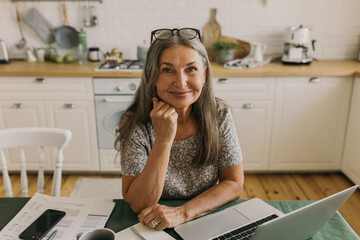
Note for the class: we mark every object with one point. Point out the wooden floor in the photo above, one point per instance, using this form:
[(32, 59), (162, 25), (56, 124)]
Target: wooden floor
[(263, 186)]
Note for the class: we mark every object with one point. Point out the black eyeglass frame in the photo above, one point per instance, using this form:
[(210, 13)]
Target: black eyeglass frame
[(176, 30)]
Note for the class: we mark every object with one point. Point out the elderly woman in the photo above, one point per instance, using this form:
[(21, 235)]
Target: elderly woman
[(177, 141)]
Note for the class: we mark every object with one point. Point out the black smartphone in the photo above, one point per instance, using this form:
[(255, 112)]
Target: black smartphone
[(42, 225)]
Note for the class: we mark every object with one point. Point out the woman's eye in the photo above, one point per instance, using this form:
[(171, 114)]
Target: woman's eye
[(166, 70), (191, 69)]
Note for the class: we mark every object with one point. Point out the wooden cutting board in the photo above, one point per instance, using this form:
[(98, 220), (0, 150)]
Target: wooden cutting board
[(211, 34)]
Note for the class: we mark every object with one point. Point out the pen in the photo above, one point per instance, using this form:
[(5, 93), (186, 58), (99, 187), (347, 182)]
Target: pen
[(52, 235), (137, 233)]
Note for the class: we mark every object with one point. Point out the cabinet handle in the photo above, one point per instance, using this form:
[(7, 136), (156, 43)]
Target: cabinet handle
[(315, 80), (69, 106), (223, 80), (18, 105), (248, 106), (132, 86), (40, 80)]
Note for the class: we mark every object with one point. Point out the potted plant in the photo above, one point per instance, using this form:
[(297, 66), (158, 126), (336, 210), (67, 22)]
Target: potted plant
[(225, 50)]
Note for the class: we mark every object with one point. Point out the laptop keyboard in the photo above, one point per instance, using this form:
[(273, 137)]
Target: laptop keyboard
[(245, 232)]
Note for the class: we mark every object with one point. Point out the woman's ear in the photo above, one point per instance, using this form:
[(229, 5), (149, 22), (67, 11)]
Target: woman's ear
[(205, 76)]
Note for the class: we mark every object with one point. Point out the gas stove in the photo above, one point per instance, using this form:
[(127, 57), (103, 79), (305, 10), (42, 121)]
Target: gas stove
[(126, 65)]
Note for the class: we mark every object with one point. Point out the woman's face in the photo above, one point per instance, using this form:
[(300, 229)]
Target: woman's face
[(182, 76)]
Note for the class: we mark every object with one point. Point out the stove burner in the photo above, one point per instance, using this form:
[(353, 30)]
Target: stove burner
[(124, 65)]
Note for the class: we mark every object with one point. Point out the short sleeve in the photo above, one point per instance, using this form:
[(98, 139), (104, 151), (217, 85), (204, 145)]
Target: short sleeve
[(230, 151), (136, 153)]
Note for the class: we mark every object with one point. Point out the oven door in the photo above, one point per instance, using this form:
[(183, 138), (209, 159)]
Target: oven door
[(108, 112)]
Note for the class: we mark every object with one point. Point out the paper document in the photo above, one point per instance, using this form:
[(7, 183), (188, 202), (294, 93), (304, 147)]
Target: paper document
[(146, 232), (82, 215)]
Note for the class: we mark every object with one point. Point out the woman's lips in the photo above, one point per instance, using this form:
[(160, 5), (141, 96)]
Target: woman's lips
[(180, 94)]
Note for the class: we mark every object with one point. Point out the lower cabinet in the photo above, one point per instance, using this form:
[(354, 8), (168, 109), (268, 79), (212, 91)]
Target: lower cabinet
[(310, 117), (52, 102), (251, 101), (253, 125), (79, 117), (289, 123), (351, 160)]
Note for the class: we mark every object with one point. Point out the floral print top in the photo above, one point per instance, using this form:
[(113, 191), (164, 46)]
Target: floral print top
[(182, 180)]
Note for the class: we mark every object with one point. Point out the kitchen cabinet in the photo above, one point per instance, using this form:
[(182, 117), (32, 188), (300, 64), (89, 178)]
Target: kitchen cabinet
[(61, 102), (351, 160), (251, 100), (79, 117), (310, 116)]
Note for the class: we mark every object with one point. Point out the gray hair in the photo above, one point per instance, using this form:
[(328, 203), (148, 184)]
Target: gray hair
[(204, 110)]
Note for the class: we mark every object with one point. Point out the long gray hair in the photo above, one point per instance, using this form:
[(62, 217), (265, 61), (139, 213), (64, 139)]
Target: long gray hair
[(204, 110)]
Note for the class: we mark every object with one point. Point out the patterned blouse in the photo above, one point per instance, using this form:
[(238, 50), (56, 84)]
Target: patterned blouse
[(182, 180)]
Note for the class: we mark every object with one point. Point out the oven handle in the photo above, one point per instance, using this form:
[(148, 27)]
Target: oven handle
[(112, 100)]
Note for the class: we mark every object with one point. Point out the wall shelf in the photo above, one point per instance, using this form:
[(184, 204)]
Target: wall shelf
[(100, 1)]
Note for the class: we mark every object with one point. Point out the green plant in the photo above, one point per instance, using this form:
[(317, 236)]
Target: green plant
[(226, 45)]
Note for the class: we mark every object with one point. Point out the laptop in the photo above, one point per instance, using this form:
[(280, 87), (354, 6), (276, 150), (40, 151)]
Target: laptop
[(257, 220)]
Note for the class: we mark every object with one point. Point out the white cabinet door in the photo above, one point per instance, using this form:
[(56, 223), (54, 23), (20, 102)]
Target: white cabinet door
[(351, 160), (309, 123), (253, 125), (251, 100), (14, 114), (79, 117)]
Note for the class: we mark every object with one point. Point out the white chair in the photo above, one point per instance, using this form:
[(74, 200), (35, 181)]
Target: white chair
[(32, 137)]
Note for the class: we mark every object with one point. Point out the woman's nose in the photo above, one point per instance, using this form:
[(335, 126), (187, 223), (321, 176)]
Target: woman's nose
[(181, 80)]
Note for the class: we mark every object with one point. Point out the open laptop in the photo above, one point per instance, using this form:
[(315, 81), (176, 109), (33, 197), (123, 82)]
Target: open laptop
[(261, 221)]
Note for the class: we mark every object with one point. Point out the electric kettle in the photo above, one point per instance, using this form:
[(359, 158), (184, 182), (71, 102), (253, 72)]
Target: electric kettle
[(4, 55)]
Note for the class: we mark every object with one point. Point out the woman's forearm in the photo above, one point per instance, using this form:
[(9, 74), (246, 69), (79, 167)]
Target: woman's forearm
[(146, 189), (211, 199)]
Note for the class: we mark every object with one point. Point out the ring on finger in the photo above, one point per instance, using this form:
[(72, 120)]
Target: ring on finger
[(154, 223)]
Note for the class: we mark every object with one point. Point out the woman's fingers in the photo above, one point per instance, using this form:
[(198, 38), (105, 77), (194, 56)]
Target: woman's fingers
[(160, 217)]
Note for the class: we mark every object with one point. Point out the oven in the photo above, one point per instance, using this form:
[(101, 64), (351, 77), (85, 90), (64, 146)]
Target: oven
[(112, 97)]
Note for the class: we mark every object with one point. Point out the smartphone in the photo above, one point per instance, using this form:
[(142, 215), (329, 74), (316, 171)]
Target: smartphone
[(42, 225)]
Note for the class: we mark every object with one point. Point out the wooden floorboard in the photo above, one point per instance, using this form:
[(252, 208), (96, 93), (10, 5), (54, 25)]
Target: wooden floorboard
[(296, 186)]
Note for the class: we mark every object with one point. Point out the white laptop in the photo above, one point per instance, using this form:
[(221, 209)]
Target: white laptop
[(246, 218)]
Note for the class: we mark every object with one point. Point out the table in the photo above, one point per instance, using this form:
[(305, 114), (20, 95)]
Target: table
[(123, 217)]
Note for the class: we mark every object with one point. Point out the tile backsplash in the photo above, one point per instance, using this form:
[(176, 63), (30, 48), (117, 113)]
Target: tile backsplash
[(125, 24)]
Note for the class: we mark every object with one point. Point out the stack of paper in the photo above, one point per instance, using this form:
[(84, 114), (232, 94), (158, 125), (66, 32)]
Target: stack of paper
[(82, 215)]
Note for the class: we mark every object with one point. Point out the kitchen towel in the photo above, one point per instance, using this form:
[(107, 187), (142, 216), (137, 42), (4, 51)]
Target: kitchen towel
[(106, 188), (248, 62)]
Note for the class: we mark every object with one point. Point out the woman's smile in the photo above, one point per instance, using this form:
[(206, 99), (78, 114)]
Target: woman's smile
[(180, 93)]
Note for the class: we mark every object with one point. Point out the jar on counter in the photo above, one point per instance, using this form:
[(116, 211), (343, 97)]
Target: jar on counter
[(94, 54)]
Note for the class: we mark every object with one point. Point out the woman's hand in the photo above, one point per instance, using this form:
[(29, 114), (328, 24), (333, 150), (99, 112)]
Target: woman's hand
[(160, 217), (164, 119)]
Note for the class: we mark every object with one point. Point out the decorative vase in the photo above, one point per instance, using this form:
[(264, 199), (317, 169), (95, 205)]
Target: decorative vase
[(225, 55)]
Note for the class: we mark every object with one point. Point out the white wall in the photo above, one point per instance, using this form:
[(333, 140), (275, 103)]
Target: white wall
[(125, 24)]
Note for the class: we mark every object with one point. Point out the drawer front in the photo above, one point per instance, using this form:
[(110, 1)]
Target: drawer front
[(57, 88), (244, 88)]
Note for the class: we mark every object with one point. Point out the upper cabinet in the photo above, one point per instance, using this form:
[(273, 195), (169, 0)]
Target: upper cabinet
[(351, 160), (52, 102), (309, 123)]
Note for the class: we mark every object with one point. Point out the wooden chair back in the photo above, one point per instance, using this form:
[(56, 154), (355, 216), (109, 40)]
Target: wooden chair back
[(33, 137)]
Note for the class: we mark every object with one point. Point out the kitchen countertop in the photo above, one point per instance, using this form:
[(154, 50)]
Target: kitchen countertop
[(323, 68)]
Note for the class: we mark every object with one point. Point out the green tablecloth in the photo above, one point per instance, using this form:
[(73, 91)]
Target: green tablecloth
[(122, 217)]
